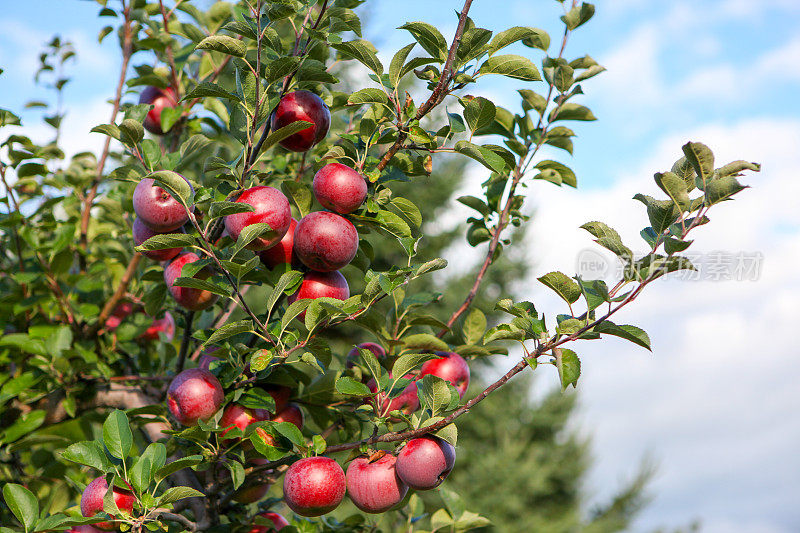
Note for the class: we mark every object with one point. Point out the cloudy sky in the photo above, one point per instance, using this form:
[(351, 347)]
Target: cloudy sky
[(716, 403)]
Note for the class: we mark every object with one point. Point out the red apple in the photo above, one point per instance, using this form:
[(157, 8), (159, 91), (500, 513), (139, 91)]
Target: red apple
[(280, 394), (425, 462), (302, 105), (192, 299), (165, 324), (339, 188), (451, 367), (278, 522), (84, 529), (283, 252), (237, 416), (194, 394), (120, 313), (373, 486), (156, 208), (406, 402), (271, 207), (206, 358), (92, 500), (252, 493), (292, 414), (354, 355), (314, 486), (141, 233), (325, 241), (321, 285), (159, 99)]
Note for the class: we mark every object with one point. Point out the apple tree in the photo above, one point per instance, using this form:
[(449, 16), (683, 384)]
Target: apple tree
[(174, 308)]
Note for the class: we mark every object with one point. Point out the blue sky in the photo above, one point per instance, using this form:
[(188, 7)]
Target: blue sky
[(716, 403)]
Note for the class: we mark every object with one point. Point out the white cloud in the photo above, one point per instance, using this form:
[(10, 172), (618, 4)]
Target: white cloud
[(716, 403)]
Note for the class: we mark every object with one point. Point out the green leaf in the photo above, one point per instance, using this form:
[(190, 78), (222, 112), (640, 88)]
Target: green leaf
[(675, 187), (701, 159), (424, 341), (430, 266), (223, 209), (90, 453), (131, 130), (294, 309), (210, 89), (291, 432), (117, 435), (731, 169), (608, 238), (407, 363), (408, 209), (163, 241), (569, 367), (513, 66), (22, 503), (112, 130), (370, 95), (482, 155), (361, 51), (237, 473), (434, 393), (722, 188), (179, 464), (475, 203), (174, 494), (146, 465), (632, 333), (224, 44), (229, 330), (429, 38), (662, 213), (556, 172), (287, 131), (479, 112), (203, 285), (23, 425), (474, 326), (396, 66), (249, 234), (578, 15), (280, 68), (570, 111), (473, 44), (286, 281), (300, 194), (532, 37), (504, 332), (350, 387), (393, 224), (175, 184), (563, 285)]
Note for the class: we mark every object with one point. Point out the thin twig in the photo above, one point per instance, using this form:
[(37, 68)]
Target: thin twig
[(187, 335)]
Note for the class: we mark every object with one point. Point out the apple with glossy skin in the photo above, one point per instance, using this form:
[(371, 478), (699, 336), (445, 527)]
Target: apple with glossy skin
[(291, 413), (451, 367), (406, 402), (281, 394), (339, 188), (192, 299), (354, 355), (156, 207), (92, 500), (238, 416), (141, 232), (283, 252), (374, 486), (271, 207), (302, 105), (120, 313), (159, 99), (165, 324), (194, 394), (325, 241), (314, 486), (425, 462), (321, 285), (278, 522)]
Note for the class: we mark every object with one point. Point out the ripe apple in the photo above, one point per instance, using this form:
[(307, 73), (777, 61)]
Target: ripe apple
[(156, 208), (206, 358), (302, 105), (278, 522), (271, 207), (451, 367), (159, 99), (283, 252), (325, 241), (237, 416), (83, 529), (92, 500), (165, 324), (251, 494), (373, 485), (321, 285), (120, 313), (194, 394), (425, 462), (339, 188), (141, 232), (406, 402), (280, 394), (354, 355), (314, 486), (292, 414), (192, 299)]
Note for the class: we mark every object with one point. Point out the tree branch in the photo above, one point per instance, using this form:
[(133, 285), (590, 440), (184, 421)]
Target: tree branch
[(118, 295)]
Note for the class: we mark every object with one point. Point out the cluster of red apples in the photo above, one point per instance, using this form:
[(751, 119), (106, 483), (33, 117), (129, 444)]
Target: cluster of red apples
[(321, 243)]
